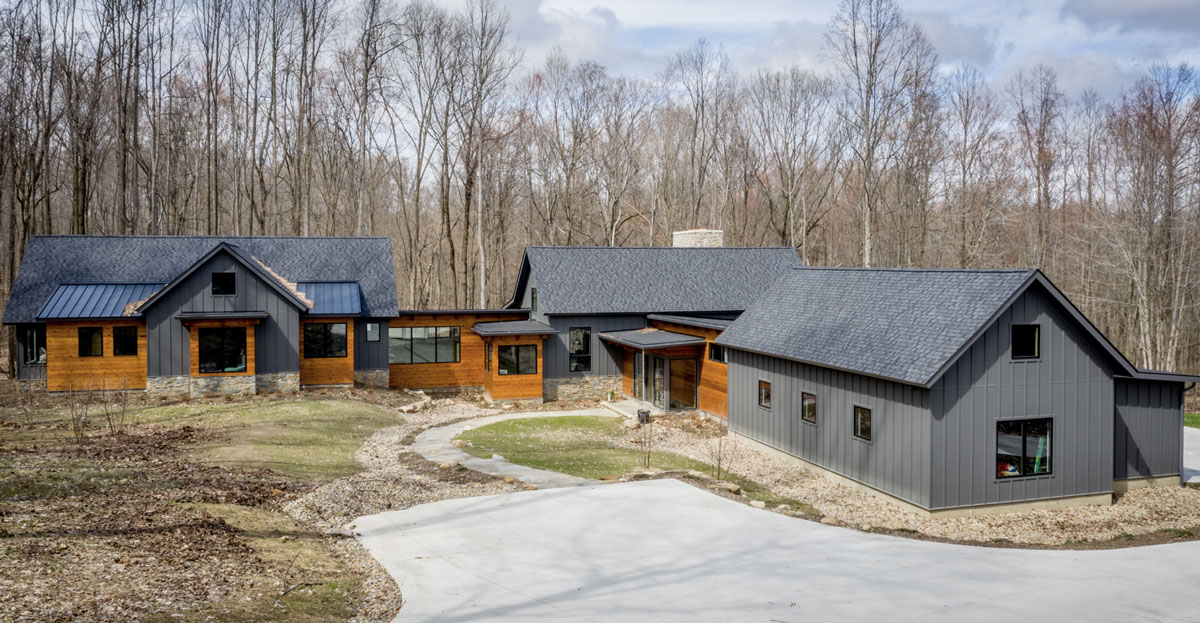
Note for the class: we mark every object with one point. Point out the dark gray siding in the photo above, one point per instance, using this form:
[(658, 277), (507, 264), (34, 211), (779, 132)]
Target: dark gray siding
[(370, 355), (28, 372), (276, 339), (606, 359), (1148, 429), (896, 460), (1071, 382)]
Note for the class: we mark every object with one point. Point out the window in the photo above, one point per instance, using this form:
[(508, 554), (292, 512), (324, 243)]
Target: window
[(532, 299), (222, 349), (33, 347), (717, 353), (124, 341), (862, 423), (520, 359), (1026, 341), (424, 345), (372, 331), (324, 340), (579, 347), (808, 407), (1023, 447), (91, 342), (224, 284), (764, 394), (487, 356)]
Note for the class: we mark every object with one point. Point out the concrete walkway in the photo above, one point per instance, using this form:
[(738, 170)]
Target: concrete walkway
[(1191, 454), (665, 551), (434, 444)]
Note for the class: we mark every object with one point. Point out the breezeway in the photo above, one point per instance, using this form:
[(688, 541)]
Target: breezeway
[(666, 551)]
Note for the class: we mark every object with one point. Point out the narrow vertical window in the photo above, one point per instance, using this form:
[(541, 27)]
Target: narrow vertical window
[(372, 331), (808, 407), (764, 394), (579, 347), (862, 423)]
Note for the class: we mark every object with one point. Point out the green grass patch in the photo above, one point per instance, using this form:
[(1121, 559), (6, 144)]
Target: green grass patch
[(1191, 419), (1176, 533)]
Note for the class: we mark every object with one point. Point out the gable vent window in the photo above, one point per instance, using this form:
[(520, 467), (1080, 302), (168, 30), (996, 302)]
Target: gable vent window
[(224, 284), (1026, 341)]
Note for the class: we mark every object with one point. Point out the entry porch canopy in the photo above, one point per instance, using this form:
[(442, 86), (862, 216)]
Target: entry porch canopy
[(651, 339)]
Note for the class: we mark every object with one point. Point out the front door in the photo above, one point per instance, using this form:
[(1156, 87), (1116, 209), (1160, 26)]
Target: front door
[(683, 384)]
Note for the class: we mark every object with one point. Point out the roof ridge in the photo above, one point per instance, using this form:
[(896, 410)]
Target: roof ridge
[(208, 237), (543, 246), (917, 270)]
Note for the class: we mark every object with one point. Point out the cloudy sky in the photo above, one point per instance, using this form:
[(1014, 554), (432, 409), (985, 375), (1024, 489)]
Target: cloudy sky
[(1099, 43)]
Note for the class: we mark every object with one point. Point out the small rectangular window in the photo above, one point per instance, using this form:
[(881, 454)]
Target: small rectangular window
[(532, 299), (764, 394), (372, 331), (521, 359), (224, 284), (487, 356), (221, 349), (717, 353), (125, 342), (325, 340), (579, 347), (862, 423), (1026, 341), (808, 407), (91, 341), (1023, 447)]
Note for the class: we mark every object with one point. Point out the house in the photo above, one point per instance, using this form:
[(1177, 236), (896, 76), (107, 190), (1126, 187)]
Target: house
[(199, 315), (949, 391)]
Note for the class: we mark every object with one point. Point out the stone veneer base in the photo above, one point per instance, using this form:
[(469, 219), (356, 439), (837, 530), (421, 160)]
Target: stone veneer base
[(581, 388), (210, 386), (371, 378), (281, 382)]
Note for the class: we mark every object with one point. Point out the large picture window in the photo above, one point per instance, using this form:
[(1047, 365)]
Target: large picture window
[(579, 347), (125, 341), (808, 407), (520, 359), (324, 340), (424, 345), (222, 349), (1023, 447), (91, 341), (862, 423)]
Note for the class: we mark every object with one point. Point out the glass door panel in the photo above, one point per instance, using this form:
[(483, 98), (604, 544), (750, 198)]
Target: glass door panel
[(639, 376), (659, 387)]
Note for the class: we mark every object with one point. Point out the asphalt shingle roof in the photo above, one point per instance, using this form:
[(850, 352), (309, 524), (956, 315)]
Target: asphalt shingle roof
[(614, 280), (891, 323), (53, 260)]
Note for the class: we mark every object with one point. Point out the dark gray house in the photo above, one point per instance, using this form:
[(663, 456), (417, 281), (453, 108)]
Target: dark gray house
[(199, 315), (584, 292), (952, 391)]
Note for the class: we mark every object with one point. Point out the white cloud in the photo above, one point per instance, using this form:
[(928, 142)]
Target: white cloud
[(957, 43), (1126, 16)]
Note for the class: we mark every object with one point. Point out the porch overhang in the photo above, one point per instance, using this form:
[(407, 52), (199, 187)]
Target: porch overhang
[(652, 339), (513, 327), (254, 316)]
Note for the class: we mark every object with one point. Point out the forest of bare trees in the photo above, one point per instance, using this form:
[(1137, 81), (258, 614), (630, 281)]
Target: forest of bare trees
[(429, 126)]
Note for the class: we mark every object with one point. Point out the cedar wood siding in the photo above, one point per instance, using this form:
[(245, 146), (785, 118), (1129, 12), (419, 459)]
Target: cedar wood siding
[(1147, 428), (67, 371), (513, 386), (467, 372), (896, 461), (276, 338), (328, 370), (1072, 382), (713, 375)]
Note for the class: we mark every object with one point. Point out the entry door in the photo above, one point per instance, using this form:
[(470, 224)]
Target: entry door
[(659, 383), (683, 384)]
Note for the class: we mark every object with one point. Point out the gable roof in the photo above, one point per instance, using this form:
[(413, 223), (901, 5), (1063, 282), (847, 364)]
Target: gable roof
[(50, 261), (95, 300), (906, 325), (255, 267), (637, 280)]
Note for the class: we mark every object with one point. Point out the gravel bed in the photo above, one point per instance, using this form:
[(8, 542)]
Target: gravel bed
[(1138, 512)]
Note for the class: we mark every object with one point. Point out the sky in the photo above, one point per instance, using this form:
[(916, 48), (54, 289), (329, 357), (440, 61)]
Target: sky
[(1100, 44)]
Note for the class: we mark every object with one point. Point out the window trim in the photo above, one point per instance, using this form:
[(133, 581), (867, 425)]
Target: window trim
[(816, 407), (1012, 342), (79, 337), (517, 353), (854, 407), (135, 340), (345, 353), (724, 353), (590, 368), (367, 331), (996, 443), (457, 351), (770, 396), (212, 286)]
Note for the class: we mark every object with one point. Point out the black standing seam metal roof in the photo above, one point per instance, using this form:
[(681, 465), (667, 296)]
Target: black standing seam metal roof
[(650, 339), (513, 327), (53, 260), (340, 298), (693, 321), (94, 300), (639, 280)]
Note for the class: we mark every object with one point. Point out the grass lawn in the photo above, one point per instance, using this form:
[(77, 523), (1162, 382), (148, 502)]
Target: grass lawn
[(585, 446), (1191, 419)]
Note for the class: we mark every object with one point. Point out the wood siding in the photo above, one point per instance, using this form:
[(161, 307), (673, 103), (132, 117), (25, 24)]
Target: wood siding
[(194, 345), (714, 375), (468, 372), (513, 386), (328, 370), (66, 370), (1147, 429)]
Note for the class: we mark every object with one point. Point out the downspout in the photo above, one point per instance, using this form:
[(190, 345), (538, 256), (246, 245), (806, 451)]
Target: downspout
[(1182, 414)]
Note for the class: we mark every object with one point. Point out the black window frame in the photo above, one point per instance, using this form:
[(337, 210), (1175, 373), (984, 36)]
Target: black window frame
[(715, 348), (117, 342), (854, 427), (804, 396), (327, 341), (761, 384), (225, 332), (584, 356), (367, 329), (213, 283), (91, 341), (454, 338), (517, 351), (1025, 422), (33, 346), (1037, 341), (487, 357)]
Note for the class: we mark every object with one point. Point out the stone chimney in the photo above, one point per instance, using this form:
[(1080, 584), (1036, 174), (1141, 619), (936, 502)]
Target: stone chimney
[(698, 238)]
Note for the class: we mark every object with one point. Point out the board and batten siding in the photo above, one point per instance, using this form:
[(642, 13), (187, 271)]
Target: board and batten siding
[(1071, 382), (276, 338), (895, 461), (1147, 429), (370, 355), (606, 358)]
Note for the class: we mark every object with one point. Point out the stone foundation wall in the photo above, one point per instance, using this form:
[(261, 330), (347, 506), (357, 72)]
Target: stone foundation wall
[(516, 402), (168, 386), (581, 388), (38, 385), (371, 378), (207, 386), (282, 382)]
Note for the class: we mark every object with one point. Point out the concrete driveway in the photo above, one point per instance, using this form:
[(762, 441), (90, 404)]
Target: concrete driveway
[(1191, 454), (665, 551)]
